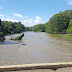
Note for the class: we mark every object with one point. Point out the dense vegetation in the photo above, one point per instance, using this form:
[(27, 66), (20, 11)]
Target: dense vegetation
[(37, 28), (2, 37), (18, 38), (58, 23), (61, 22), (28, 28), (10, 28), (69, 29)]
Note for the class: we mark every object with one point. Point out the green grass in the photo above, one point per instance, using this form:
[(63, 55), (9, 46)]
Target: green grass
[(66, 37)]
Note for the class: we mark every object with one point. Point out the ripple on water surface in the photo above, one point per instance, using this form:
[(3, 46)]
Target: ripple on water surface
[(39, 48)]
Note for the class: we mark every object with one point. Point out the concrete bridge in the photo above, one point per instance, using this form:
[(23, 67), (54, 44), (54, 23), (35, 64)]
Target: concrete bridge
[(53, 66)]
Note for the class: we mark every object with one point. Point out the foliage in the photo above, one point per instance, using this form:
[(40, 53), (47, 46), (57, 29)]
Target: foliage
[(69, 29), (2, 37), (28, 28), (19, 37), (39, 28), (12, 27), (57, 23), (36, 28), (1, 27), (68, 13), (1, 34)]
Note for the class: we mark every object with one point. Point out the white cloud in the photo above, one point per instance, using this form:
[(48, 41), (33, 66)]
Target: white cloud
[(8, 18), (11, 17), (25, 20), (69, 2), (18, 15), (31, 22), (2, 15), (38, 20)]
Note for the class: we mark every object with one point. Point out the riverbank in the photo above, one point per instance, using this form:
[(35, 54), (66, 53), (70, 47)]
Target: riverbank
[(66, 37)]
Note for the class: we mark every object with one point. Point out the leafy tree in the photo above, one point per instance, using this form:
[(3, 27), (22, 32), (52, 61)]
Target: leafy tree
[(39, 28), (69, 29), (12, 27), (2, 37), (57, 23), (28, 28)]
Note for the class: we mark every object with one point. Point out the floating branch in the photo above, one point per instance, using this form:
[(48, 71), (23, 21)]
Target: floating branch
[(18, 38)]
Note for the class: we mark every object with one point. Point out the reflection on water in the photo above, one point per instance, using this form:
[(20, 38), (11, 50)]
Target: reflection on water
[(39, 48)]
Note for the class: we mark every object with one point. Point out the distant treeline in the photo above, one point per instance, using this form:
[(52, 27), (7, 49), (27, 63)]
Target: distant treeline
[(58, 23), (36, 28)]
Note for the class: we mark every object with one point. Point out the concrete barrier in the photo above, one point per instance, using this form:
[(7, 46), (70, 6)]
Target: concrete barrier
[(53, 66)]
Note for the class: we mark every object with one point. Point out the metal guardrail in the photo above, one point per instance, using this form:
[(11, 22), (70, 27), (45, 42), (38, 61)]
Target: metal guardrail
[(53, 66)]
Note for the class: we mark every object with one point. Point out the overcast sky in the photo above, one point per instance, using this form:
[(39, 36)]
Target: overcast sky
[(32, 12)]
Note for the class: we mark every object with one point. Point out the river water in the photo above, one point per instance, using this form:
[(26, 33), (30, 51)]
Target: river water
[(39, 48)]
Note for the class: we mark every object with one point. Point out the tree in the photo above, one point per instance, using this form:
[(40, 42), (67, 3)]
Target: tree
[(39, 28), (2, 37), (57, 23), (12, 27), (69, 29)]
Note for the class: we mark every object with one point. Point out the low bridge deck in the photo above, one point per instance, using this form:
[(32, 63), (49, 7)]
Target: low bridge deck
[(53, 66)]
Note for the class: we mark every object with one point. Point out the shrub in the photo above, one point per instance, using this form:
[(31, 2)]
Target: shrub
[(19, 37)]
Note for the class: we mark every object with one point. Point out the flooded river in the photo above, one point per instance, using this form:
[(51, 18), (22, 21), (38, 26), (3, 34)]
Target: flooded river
[(39, 48)]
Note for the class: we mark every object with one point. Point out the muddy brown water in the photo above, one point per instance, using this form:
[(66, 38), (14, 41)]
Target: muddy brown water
[(39, 48)]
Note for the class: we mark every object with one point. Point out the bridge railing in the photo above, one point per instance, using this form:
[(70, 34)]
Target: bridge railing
[(53, 66)]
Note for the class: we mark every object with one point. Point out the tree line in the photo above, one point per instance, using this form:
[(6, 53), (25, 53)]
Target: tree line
[(8, 27), (36, 28), (58, 23), (12, 27)]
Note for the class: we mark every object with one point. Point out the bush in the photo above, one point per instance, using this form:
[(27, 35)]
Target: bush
[(2, 37), (19, 37), (69, 29)]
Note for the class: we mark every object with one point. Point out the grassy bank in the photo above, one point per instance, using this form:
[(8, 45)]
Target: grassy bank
[(66, 37)]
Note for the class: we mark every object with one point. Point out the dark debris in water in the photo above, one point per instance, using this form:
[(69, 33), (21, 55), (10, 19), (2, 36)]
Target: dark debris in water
[(23, 44)]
